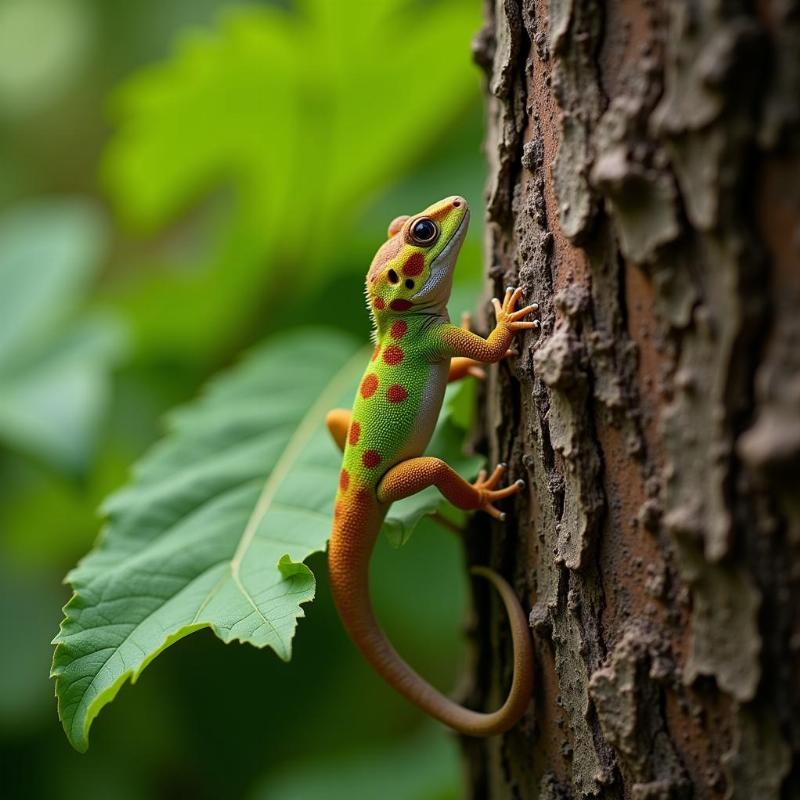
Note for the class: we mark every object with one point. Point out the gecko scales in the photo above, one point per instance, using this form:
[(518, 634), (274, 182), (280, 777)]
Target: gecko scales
[(384, 438)]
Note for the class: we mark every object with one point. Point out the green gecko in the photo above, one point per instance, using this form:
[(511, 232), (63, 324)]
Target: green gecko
[(396, 407)]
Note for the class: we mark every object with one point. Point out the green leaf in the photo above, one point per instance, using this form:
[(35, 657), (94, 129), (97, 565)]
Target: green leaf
[(54, 368), (214, 527), (299, 116), (291, 106)]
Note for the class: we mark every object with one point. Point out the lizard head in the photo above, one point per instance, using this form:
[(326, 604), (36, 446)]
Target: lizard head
[(413, 269)]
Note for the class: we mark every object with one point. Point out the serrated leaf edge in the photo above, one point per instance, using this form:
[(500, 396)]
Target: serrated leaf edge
[(287, 567)]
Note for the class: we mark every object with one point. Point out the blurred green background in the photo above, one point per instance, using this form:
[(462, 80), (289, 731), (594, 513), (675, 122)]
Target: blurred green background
[(178, 181)]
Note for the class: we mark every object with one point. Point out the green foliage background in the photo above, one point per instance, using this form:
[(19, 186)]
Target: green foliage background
[(179, 182)]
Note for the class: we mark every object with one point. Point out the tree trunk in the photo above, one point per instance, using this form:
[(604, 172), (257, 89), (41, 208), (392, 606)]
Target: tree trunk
[(644, 188)]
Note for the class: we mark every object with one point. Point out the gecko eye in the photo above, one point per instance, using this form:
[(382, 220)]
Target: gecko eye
[(424, 232), (393, 277)]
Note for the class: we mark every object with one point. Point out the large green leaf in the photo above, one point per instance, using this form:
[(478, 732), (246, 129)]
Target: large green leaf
[(292, 106), (300, 115), (215, 525), (54, 366)]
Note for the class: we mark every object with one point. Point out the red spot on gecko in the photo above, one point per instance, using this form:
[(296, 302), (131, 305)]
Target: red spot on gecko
[(415, 263), (393, 355), (396, 393), (369, 385), (355, 432), (398, 329), (379, 304), (400, 305), (371, 459), (344, 480)]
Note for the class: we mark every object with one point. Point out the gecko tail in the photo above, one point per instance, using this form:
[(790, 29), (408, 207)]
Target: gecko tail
[(519, 695), (372, 641), (475, 723)]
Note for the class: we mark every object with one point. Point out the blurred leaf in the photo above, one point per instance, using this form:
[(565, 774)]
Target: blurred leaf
[(275, 103), (460, 409), (33, 77), (213, 530), (54, 382), (425, 767), (46, 520), (303, 114), (49, 254)]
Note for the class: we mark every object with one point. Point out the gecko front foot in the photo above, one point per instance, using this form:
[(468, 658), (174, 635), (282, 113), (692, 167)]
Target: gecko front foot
[(508, 315), (488, 494)]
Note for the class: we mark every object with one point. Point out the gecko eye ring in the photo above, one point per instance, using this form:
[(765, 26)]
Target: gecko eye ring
[(424, 232)]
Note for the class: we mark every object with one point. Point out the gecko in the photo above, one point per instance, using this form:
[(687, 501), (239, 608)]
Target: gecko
[(383, 439)]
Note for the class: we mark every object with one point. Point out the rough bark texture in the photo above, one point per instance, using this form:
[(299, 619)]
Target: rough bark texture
[(644, 188)]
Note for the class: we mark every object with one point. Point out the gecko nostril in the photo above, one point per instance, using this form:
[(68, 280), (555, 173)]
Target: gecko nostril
[(456, 204), (409, 284), (393, 277)]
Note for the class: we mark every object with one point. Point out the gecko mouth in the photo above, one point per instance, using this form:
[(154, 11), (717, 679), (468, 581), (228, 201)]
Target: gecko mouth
[(443, 264), (455, 239)]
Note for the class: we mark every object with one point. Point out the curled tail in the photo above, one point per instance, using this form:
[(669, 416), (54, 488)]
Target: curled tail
[(350, 591)]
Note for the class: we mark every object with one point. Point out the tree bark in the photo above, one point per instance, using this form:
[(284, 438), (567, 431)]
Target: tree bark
[(644, 188)]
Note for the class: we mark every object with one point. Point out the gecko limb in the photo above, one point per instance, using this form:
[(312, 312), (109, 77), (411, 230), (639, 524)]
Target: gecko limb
[(338, 421), (416, 474)]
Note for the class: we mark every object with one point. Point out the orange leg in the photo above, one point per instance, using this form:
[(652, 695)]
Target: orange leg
[(462, 342), (416, 474), (461, 367), (338, 421)]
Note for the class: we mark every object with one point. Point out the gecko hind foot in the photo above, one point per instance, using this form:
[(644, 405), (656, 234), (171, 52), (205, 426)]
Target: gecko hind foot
[(488, 495)]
